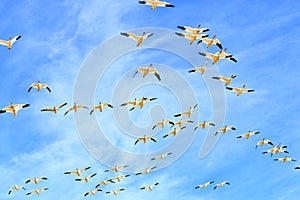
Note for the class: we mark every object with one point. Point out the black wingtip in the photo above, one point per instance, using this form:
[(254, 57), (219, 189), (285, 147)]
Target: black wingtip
[(181, 27), (142, 2), (202, 54), (170, 6)]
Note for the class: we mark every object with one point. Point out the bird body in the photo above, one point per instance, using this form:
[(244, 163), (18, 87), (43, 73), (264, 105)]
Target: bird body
[(240, 91), (162, 156), (204, 124), (100, 107), (148, 70), (77, 171), (226, 80), (14, 108), (39, 86), (137, 38), (10, 42), (156, 3), (55, 108)]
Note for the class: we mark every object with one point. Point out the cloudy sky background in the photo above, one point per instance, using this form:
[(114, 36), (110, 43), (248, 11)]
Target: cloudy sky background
[(57, 37)]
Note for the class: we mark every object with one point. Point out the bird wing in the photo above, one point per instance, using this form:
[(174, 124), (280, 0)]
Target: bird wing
[(4, 42), (31, 86), (47, 109), (15, 38), (61, 105), (131, 35), (20, 106)]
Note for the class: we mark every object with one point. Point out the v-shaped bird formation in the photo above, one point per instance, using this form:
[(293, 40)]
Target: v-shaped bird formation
[(193, 35)]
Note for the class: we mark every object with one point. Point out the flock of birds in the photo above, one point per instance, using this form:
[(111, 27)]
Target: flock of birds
[(191, 34)]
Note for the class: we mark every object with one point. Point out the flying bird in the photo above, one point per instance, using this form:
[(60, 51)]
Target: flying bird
[(204, 185), (14, 108), (142, 101), (240, 91), (174, 132), (211, 41), (221, 184), (115, 192), (149, 187), (147, 70), (181, 122), (86, 179), (55, 108), (284, 159), (219, 55), (162, 156), (276, 150), (192, 30), (35, 180), (225, 129), (263, 142), (39, 86), (104, 182), (10, 42), (248, 135), (100, 107), (75, 107), (201, 70), (138, 39), (116, 168), (92, 192), (187, 113), (191, 37), (119, 178), (16, 188), (37, 191), (226, 80), (133, 103), (146, 171), (144, 139), (156, 3), (77, 171), (204, 124), (162, 123)]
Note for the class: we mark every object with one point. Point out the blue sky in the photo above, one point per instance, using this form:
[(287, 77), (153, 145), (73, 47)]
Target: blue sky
[(58, 37)]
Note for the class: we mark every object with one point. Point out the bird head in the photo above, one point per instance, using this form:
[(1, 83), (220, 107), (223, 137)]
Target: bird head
[(233, 76)]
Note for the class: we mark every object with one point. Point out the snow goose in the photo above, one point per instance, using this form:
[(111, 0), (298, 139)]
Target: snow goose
[(39, 86), (219, 55), (10, 42), (77, 171), (35, 180), (92, 192), (104, 182), (225, 129), (146, 171), (37, 191), (162, 123), (204, 124), (156, 3), (86, 179), (241, 90), (193, 30), (226, 80), (133, 103), (248, 135), (16, 188), (181, 122), (115, 192), (116, 168), (138, 39), (204, 185), (187, 113), (191, 37), (100, 107), (211, 41), (142, 101), (263, 142), (14, 108), (144, 139), (161, 156), (149, 187), (147, 70), (284, 159), (119, 178), (55, 108), (75, 108), (201, 70), (276, 150), (221, 184), (174, 132)]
